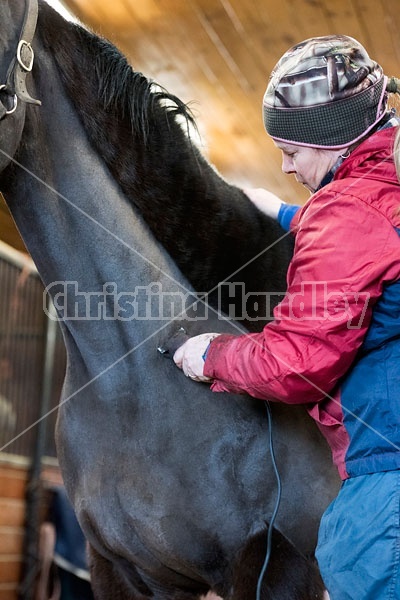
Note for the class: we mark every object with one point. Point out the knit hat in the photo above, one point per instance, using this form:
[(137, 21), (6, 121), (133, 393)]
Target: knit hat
[(325, 92)]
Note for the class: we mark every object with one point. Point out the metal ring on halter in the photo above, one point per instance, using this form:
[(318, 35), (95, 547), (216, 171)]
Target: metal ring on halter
[(14, 108)]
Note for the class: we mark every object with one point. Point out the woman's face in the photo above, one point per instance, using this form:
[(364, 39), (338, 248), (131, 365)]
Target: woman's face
[(308, 165)]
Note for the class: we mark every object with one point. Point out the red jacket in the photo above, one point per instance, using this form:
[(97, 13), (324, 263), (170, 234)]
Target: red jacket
[(347, 251)]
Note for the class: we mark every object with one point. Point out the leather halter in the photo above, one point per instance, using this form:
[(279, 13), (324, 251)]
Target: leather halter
[(21, 64)]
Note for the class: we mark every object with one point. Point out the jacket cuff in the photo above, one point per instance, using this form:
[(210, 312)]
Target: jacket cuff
[(213, 346), (286, 214)]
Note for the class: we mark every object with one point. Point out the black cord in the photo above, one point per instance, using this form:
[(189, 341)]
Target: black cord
[(276, 508)]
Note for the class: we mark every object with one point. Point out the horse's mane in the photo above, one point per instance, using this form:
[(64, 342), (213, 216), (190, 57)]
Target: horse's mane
[(122, 91), (208, 226), (136, 127)]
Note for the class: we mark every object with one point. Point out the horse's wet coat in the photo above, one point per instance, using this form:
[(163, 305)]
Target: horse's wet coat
[(168, 480)]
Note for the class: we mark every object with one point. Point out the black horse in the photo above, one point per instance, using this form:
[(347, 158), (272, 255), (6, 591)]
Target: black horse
[(171, 484)]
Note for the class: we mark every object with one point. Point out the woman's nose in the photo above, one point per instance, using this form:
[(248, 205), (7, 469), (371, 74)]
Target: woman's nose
[(287, 165)]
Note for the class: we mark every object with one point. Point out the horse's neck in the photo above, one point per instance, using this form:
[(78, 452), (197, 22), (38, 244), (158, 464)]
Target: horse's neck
[(76, 223), (206, 225), (61, 190)]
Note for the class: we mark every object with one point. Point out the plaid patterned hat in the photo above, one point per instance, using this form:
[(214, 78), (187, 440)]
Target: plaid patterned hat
[(325, 92)]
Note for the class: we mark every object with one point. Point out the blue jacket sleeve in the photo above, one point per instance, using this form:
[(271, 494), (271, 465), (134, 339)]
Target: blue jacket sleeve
[(286, 214)]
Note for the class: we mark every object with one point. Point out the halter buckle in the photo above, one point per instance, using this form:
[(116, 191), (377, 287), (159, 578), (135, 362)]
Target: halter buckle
[(29, 64)]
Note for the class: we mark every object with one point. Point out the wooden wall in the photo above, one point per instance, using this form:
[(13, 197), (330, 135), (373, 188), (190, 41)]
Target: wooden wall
[(12, 509)]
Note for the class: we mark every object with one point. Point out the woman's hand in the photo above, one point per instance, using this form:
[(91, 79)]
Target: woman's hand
[(189, 356), (265, 201)]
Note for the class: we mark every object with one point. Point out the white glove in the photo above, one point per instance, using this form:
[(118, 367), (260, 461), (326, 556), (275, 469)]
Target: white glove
[(265, 201), (189, 356)]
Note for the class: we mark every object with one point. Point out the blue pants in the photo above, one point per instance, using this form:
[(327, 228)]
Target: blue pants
[(359, 539)]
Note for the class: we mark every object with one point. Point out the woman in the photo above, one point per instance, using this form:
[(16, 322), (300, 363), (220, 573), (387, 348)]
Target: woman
[(334, 344)]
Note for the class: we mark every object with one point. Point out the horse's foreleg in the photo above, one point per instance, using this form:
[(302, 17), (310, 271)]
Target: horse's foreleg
[(123, 582), (289, 575), (108, 583)]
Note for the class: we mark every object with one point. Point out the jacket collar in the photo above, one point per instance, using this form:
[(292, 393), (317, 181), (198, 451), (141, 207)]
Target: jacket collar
[(378, 143)]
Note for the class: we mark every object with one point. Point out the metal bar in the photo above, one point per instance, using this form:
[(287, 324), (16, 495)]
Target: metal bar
[(17, 258), (33, 492)]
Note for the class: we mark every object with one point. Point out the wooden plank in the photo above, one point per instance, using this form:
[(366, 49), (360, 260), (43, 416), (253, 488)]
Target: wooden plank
[(51, 476), (88, 12), (8, 591), (139, 12), (379, 33), (10, 570), (390, 31), (12, 512), (12, 482), (342, 17), (11, 540), (9, 233)]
